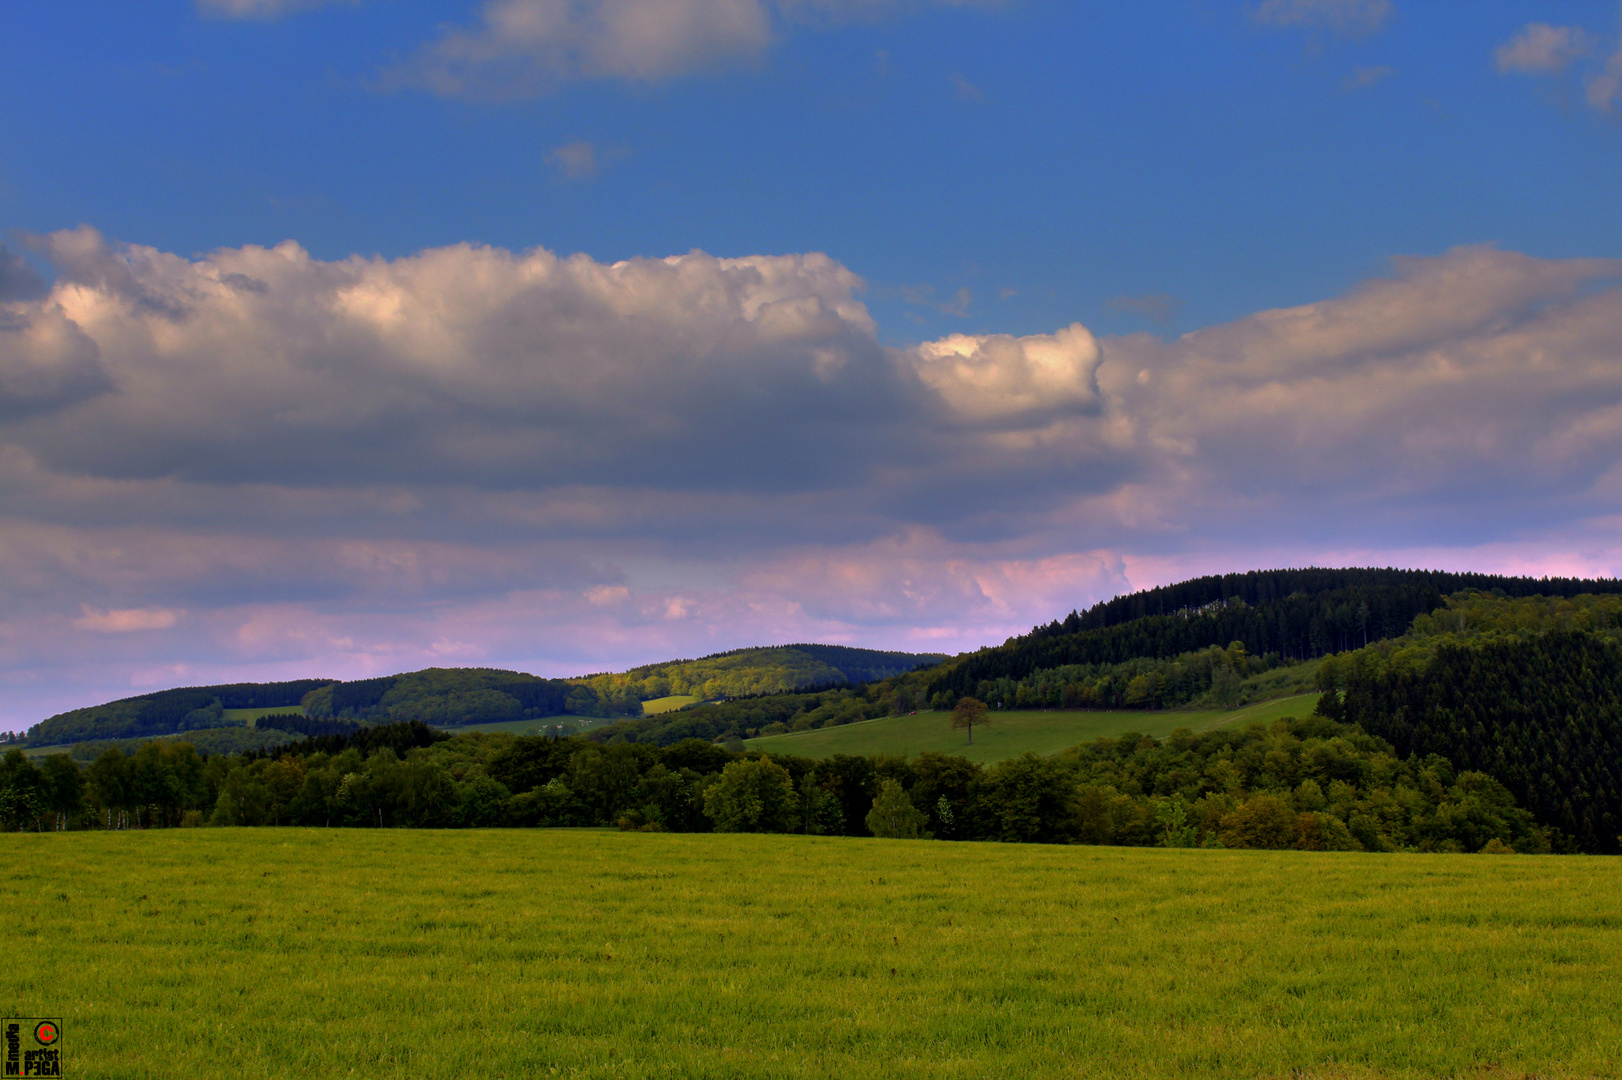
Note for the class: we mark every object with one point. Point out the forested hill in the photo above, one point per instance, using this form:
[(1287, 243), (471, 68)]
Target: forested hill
[(453, 697), (1293, 614), (770, 670), (1526, 690)]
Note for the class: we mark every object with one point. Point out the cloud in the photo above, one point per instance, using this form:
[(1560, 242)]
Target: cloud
[(18, 281), (1027, 380), (581, 160), (363, 465), (1157, 306), (1541, 47), (966, 90), (260, 9), (1544, 49), (1364, 77), (522, 48), (125, 621), (1347, 18), (1601, 89)]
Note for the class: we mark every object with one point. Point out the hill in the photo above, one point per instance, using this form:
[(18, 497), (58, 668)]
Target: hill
[(771, 670), (1527, 690), (458, 697)]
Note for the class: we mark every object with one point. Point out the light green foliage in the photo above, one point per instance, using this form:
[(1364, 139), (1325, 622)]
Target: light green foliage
[(751, 796), (1014, 733), (387, 954), (893, 816), (670, 703)]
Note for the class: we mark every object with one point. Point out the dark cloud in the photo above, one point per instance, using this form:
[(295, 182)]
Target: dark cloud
[(18, 281)]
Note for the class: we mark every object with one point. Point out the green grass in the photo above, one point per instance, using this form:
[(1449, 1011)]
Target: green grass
[(1012, 733), (667, 704), (252, 716), (382, 953)]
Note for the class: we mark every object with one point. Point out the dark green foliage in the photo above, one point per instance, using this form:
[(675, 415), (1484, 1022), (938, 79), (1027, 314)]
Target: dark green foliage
[(1541, 714), (308, 726), (167, 712), (454, 697), (1297, 614)]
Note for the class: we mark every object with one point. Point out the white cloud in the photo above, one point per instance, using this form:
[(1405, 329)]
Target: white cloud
[(525, 47), (349, 467), (1351, 18), (1027, 379), (1541, 47)]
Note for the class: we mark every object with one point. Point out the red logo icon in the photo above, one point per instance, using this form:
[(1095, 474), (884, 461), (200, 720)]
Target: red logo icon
[(45, 1033)]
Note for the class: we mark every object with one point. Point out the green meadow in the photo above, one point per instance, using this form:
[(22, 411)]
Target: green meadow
[(1013, 733), (253, 716), (518, 953), (671, 703)]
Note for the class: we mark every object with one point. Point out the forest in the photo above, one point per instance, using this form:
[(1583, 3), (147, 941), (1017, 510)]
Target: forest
[(1528, 690)]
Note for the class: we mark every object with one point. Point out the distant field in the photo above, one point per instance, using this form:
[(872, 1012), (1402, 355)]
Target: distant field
[(667, 704), (253, 715), (381, 953), (1012, 733), (530, 727)]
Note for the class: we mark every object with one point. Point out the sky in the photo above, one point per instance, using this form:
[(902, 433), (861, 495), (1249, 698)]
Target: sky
[(347, 337)]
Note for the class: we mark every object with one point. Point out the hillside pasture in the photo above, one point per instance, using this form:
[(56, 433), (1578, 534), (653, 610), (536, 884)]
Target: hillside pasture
[(383, 953), (530, 727), (1012, 733), (671, 703), (251, 717)]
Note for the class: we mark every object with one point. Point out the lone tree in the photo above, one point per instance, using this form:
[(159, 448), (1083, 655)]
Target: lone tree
[(970, 713), (893, 816)]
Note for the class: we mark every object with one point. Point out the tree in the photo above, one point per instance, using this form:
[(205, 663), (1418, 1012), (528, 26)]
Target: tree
[(893, 816), (970, 713), (751, 796)]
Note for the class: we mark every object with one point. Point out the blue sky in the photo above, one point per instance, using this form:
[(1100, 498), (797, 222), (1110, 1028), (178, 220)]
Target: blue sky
[(1344, 273)]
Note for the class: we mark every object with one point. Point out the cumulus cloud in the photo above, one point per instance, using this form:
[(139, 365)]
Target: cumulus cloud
[(1350, 18), (18, 281), (1029, 380), (1541, 47), (355, 466)]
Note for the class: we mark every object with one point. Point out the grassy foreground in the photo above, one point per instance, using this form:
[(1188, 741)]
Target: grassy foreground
[(270, 953), (1013, 733)]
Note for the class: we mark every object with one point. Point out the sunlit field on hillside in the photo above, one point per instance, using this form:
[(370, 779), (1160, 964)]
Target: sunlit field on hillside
[(253, 716), (1013, 733), (272, 953)]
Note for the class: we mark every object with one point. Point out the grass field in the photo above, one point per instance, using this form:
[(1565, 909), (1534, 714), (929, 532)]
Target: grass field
[(656, 706), (251, 716), (1012, 733), (292, 953)]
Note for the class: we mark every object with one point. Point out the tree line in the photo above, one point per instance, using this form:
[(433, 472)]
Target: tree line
[(1311, 783)]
